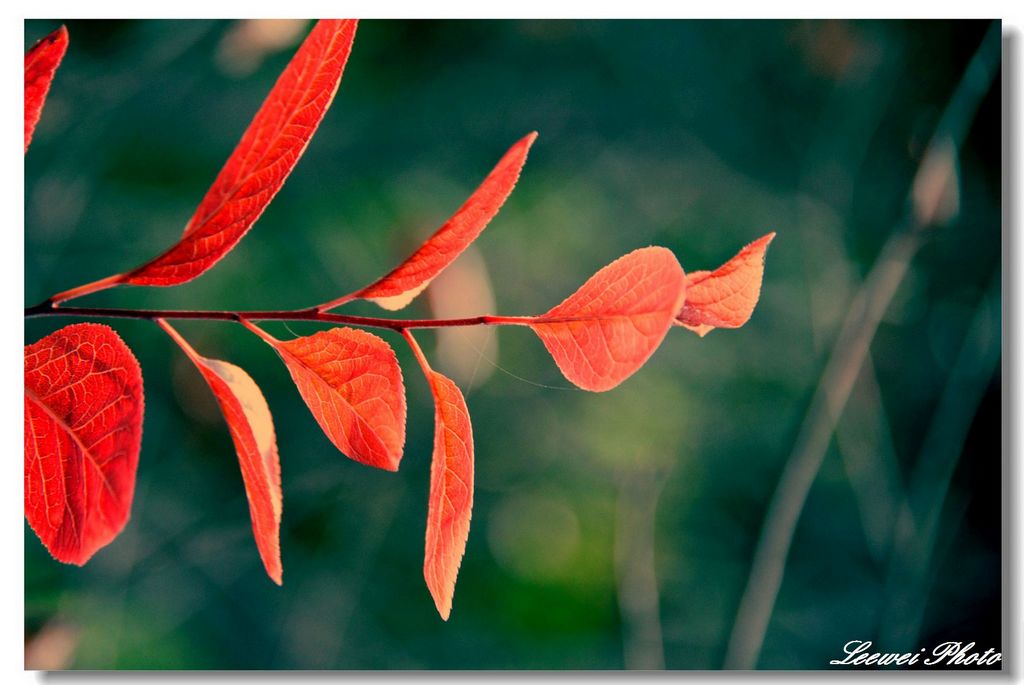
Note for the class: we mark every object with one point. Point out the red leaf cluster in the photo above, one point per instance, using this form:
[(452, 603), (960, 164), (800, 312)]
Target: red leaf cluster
[(253, 174), (83, 386)]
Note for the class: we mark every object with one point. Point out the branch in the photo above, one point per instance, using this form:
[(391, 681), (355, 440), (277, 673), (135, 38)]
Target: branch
[(49, 309)]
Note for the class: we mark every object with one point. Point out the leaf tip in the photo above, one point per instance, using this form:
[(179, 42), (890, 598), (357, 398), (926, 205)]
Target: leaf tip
[(759, 246), (271, 560), (73, 561), (700, 329), (57, 36), (41, 63), (442, 601), (727, 296), (522, 150)]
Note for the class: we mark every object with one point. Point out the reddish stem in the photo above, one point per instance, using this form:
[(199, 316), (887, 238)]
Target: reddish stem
[(417, 352), (87, 289), (48, 308), (333, 304)]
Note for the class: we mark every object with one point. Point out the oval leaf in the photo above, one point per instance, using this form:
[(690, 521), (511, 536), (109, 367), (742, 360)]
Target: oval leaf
[(83, 430), (399, 287), (725, 297), (352, 383), (601, 334), (450, 506), (251, 426), (41, 64)]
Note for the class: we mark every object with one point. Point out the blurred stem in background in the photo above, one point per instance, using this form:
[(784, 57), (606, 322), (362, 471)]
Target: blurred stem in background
[(865, 441), (635, 570), (864, 436), (917, 527), (932, 199)]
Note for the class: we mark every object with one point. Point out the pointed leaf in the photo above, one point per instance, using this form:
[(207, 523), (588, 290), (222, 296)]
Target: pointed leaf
[(352, 383), (411, 277), (252, 430), (41, 64), (264, 158), (601, 334), (450, 506), (725, 297), (83, 430), (451, 492)]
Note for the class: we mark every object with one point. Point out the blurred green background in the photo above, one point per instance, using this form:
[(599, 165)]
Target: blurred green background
[(609, 530)]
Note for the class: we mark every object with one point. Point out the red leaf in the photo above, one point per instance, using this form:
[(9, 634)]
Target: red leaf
[(83, 430), (252, 430), (264, 158), (601, 334), (41, 64), (725, 297), (450, 505), (352, 383), (411, 277)]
